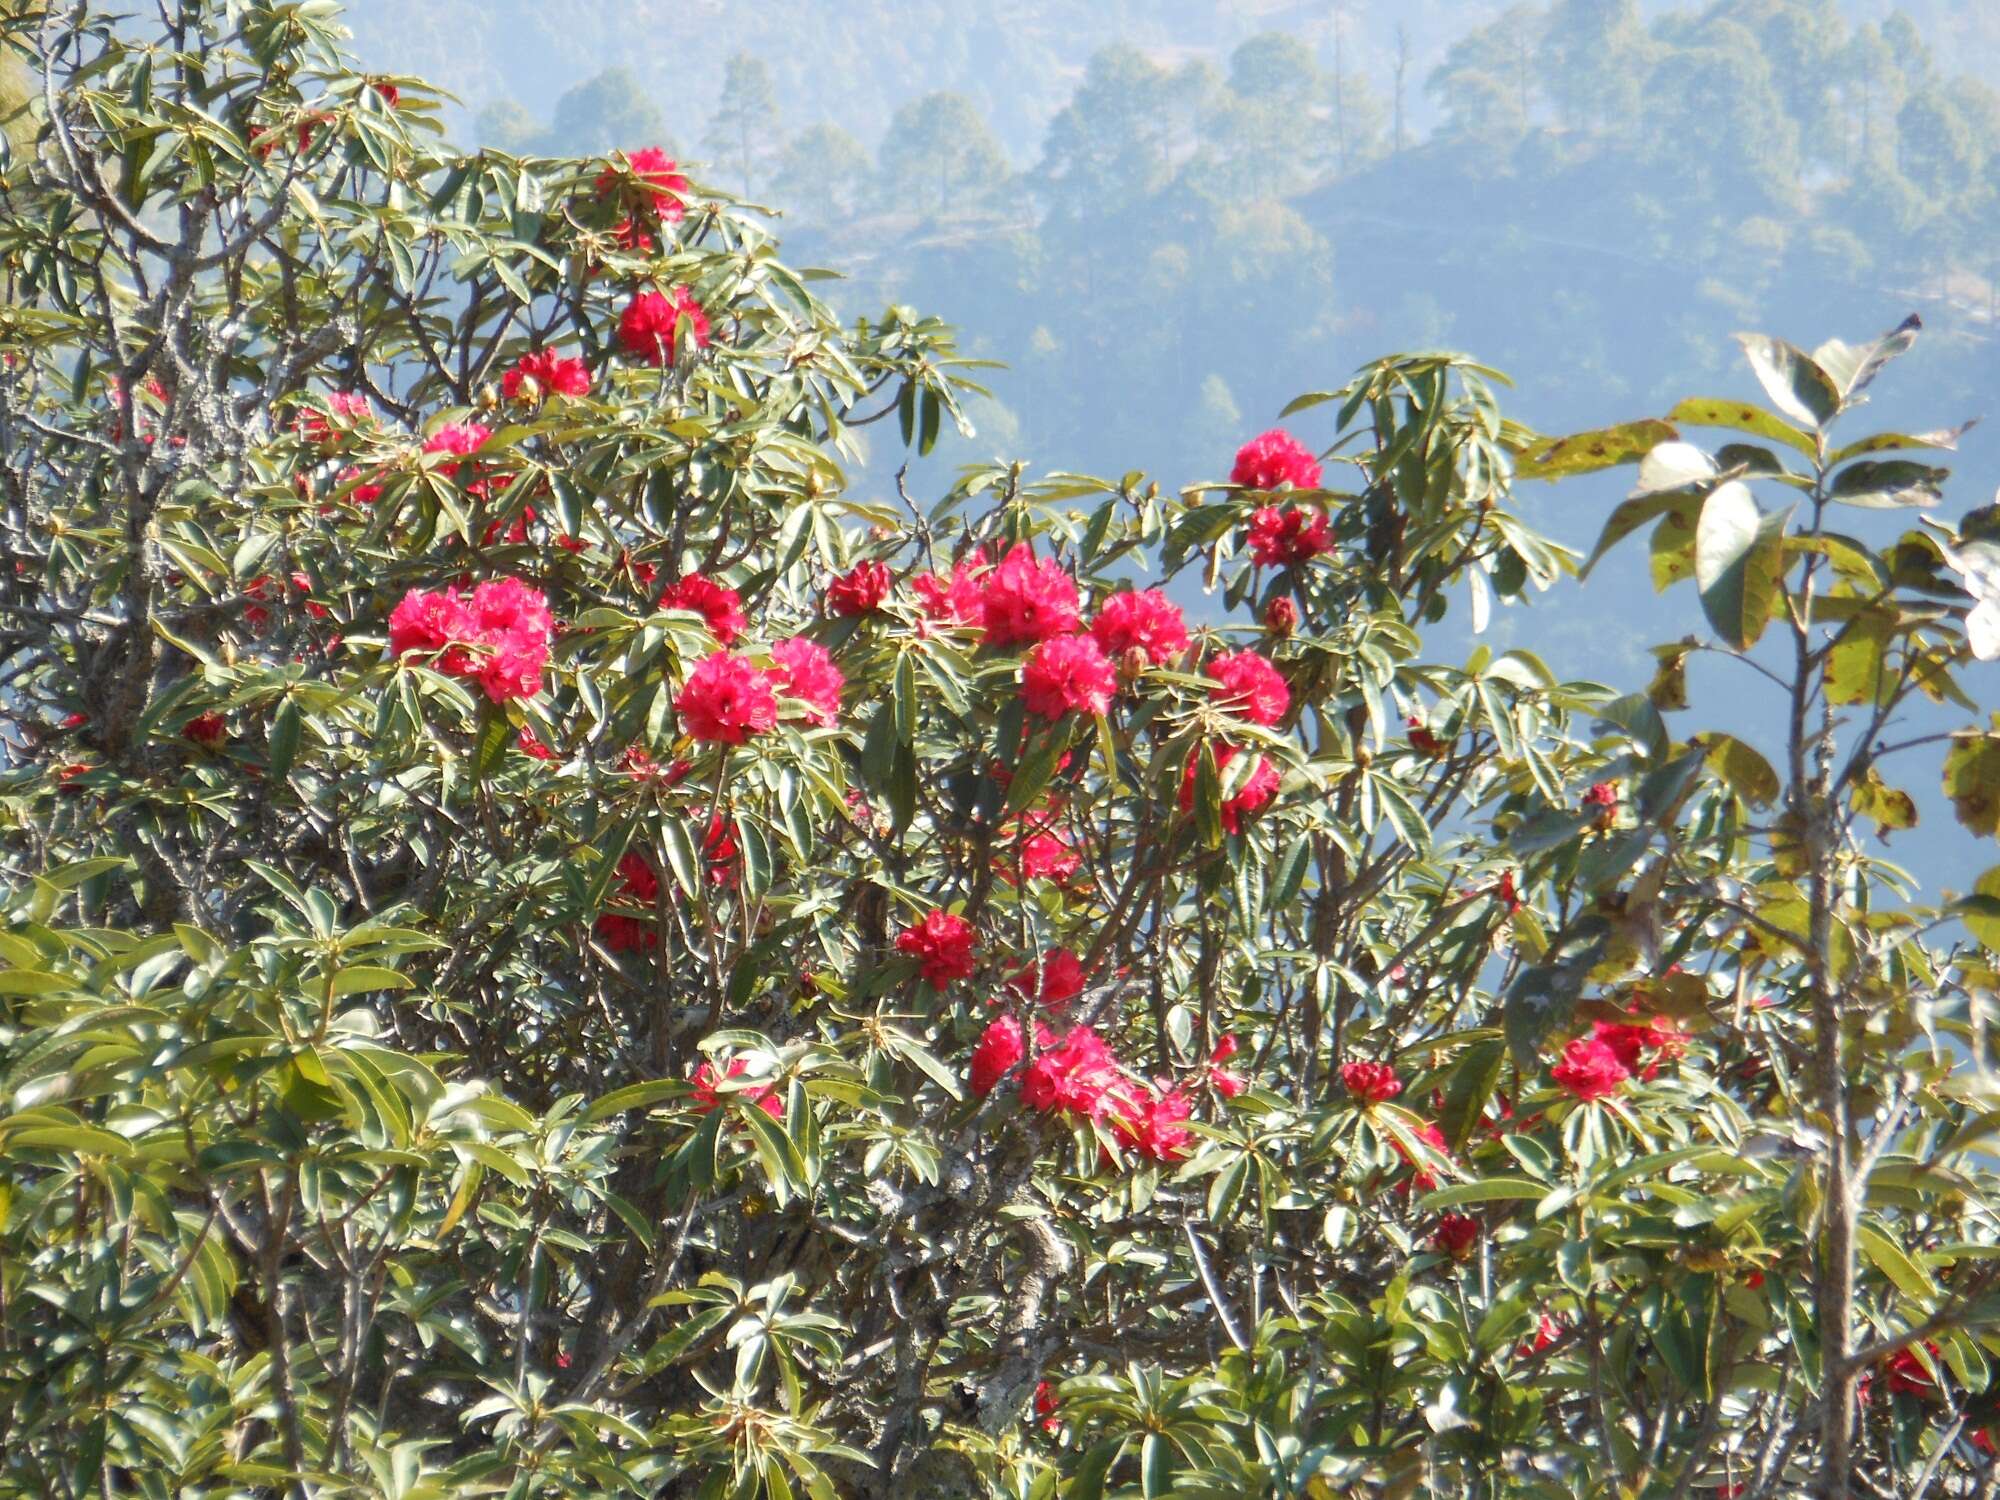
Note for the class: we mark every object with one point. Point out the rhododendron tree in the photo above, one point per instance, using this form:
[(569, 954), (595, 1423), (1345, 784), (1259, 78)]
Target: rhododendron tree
[(552, 946)]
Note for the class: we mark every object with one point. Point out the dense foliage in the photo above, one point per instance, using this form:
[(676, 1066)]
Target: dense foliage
[(553, 949)]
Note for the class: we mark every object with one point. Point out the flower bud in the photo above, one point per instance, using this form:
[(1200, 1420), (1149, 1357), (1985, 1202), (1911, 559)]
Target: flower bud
[(1281, 617), (1131, 665)]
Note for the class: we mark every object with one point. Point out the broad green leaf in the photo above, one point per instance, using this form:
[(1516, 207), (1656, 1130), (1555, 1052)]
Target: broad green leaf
[(1738, 557)]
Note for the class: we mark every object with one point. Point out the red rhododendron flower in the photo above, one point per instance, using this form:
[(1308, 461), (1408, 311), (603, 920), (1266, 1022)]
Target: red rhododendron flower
[(1423, 740), (637, 886), (1054, 979), (362, 494), (648, 325), (209, 729), (1026, 598), (1907, 1375), (660, 177), (1602, 794), (1068, 673), (1275, 458), (718, 604), (1504, 891), (1422, 1178), (499, 634), (1279, 538), (1281, 617), (513, 623), (1249, 798), (942, 944), (726, 700), (302, 581), (317, 427), (1001, 1046), (1045, 1407), (718, 845), (1645, 1047), (1370, 1082), (530, 744), (545, 373), (1157, 1130), (1548, 1331), (1225, 1081), (706, 1099), (1145, 621), (1079, 1074), (1250, 686), (959, 599), (860, 591), (75, 720), (1456, 1235), (458, 438), (515, 533), (1589, 1069), (806, 671), (1047, 855)]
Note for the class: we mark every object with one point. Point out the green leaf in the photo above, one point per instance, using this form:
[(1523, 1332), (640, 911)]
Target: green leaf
[(1589, 452), (1889, 484), (1744, 769), (495, 735), (1542, 999), (1981, 911), (1742, 416), (1797, 387), (1972, 781), (284, 744), (1853, 368), (1485, 1190), (1738, 560), (1473, 1080), (1629, 516), (367, 978), (1893, 1262)]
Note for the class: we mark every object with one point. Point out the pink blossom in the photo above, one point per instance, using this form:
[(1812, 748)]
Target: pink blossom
[(1250, 686), (1275, 458), (806, 671), (1147, 621), (1068, 673), (726, 700)]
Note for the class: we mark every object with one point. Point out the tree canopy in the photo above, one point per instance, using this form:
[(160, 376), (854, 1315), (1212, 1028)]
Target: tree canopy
[(555, 943)]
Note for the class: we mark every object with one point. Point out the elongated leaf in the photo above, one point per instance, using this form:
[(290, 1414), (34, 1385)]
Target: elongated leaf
[(1742, 416), (1737, 560), (1588, 452), (1797, 387)]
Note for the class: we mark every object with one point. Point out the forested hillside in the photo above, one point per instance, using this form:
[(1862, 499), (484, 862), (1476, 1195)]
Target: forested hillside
[(1163, 220)]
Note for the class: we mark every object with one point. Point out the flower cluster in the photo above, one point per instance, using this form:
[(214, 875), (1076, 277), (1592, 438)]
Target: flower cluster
[(759, 1096), (1257, 789), (1280, 538), (726, 700), (648, 328), (1274, 459), (942, 943), (805, 671), (1068, 674), (720, 606), (1148, 622), (498, 635), (1073, 1072), (861, 591), (1027, 599), (545, 373), (1590, 1069), (1250, 686)]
